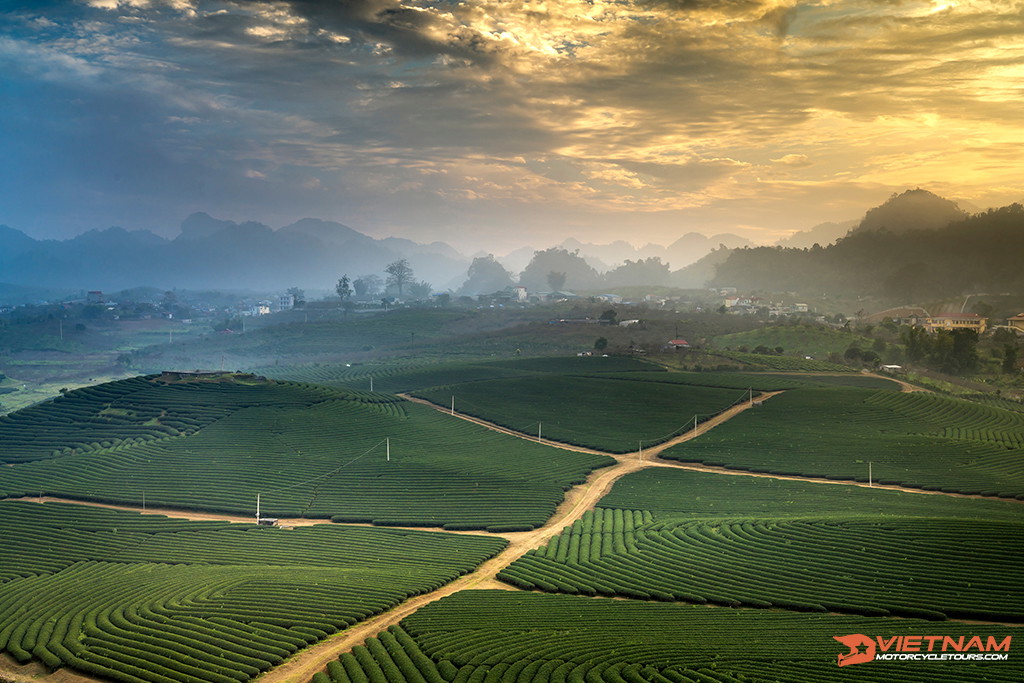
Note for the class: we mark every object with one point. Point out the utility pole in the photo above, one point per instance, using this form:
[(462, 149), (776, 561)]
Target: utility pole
[(257, 508), (869, 474), (538, 431), (388, 441), (453, 405), (143, 501), (751, 390), (371, 383)]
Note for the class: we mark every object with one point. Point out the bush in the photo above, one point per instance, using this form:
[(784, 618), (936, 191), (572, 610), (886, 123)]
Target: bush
[(509, 528)]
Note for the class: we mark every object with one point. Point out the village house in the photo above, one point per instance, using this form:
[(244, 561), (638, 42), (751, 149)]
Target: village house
[(956, 321)]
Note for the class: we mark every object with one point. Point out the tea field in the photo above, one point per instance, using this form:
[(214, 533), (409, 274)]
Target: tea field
[(128, 597), (716, 577), (768, 543), (611, 414), (407, 375), (309, 451), (512, 636), (915, 440)]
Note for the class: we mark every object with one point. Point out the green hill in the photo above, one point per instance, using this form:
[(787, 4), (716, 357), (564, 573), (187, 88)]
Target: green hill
[(214, 443)]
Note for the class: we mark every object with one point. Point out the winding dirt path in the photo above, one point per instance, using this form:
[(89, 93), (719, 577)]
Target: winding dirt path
[(905, 387), (578, 500)]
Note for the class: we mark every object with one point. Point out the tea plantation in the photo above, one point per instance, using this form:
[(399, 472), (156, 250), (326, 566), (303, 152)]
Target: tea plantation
[(769, 543), (611, 414), (129, 597), (408, 375), (308, 451), (507, 636), (717, 577), (917, 440)]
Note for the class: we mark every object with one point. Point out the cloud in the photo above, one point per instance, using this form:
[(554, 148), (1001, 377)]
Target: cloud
[(444, 112), (794, 160)]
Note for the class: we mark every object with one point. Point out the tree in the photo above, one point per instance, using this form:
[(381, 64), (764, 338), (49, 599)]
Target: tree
[(399, 274), (367, 285), (556, 280), (916, 340), (485, 275), (420, 290), (577, 273), (650, 271), (298, 297), (600, 344), (344, 288), (1009, 359), (609, 317)]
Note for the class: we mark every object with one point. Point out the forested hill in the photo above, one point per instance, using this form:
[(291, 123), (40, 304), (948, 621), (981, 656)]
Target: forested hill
[(977, 254)]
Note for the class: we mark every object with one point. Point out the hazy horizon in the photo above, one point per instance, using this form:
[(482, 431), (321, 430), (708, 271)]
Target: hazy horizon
[(492, 125)]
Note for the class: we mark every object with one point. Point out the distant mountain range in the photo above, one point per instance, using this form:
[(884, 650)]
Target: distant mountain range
[(218, 254), (211, 253), (604, 257)]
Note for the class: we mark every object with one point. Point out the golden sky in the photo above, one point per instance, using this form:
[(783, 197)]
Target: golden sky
[(497, 123)]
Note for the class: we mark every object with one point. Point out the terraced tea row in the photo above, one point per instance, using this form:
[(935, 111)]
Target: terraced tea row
[(914, 440), (390, 462), (532, 638), (164, 600), (137, 410), (679, 494), (956, 418), (853, 566)]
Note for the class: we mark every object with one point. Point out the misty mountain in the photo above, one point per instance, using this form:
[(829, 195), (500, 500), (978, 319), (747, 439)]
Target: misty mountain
[(13, 242), (913, 210), (974, 254), (698, 274), (822, 234), (694, 246), (604, 258), (211, 253)]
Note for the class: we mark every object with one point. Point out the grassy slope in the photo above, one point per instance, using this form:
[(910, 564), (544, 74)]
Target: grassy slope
[(802, 340)]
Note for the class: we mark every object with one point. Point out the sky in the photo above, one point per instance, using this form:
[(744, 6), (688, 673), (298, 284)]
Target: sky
[(492, 124)]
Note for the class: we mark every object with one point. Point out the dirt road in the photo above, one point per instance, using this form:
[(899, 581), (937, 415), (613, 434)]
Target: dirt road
[(577, 501)]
